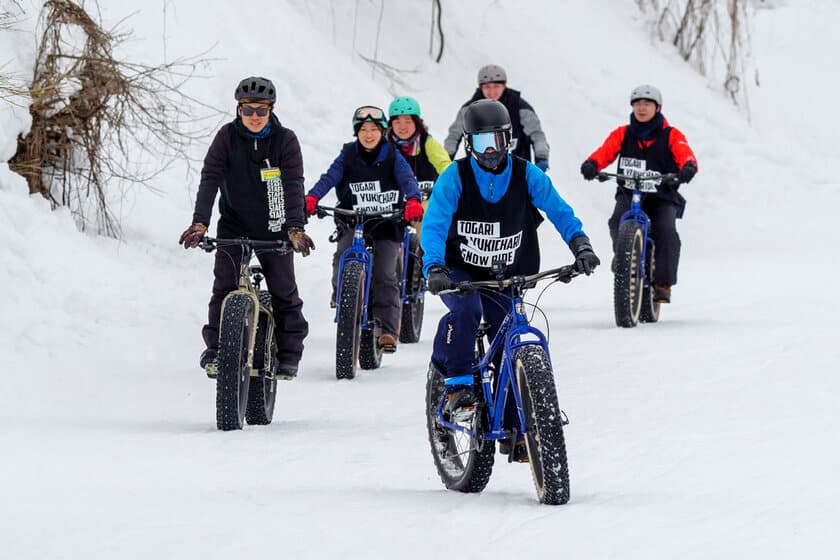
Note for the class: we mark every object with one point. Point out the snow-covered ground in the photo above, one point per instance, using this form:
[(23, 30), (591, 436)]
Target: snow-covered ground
[(707, 434)]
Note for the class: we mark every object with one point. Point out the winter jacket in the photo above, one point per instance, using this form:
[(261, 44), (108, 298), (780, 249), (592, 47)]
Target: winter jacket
[(666, 151), (389, 172), (525, 125), (446, 195), (426, 158), (261, 182)]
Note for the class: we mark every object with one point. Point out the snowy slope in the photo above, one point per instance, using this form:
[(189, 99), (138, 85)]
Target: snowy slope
[(705, 435)]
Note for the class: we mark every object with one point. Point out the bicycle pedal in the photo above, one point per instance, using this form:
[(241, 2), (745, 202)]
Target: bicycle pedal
[(212, 370)]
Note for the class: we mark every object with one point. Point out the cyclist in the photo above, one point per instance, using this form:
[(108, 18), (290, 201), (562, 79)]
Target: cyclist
[(370, 174), (257, 164), (526, 131), (483, 211), (409, 133), (649, 143)]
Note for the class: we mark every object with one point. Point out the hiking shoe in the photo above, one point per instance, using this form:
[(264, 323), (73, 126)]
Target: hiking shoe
[(286, 372), (209, 362), (520, 451), (388, 343), (662, 293)]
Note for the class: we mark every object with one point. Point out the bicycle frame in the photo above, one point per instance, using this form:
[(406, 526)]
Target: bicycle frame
[(357, 252), (636, 214), (249, 286), (514, 327), (407, 255)]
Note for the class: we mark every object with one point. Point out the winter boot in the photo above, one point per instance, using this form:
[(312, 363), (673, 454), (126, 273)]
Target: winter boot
[(209, 362)]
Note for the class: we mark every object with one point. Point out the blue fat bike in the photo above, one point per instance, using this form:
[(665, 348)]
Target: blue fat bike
[(463, 440), (356, 341), (246, 381), (635, 253)]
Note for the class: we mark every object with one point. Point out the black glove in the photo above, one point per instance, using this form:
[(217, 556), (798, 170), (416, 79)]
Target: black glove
[(687, 172), (669, 184), (589, 169), (438, 279), (585, 258)]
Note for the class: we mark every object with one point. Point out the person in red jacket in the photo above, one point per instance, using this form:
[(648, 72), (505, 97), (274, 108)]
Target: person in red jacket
[(649, 143)]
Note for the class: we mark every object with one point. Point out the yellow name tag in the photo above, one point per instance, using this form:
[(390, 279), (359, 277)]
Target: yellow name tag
[(269, 174)]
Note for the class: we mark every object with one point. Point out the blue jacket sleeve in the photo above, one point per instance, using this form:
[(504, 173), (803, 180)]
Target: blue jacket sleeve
[(446, 194), (330, 179), (405, 177), (545, 197)]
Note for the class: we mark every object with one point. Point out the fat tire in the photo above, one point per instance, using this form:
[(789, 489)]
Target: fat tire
[(262, 392), (411, 323), (650, 307), (234, 365), (628, 285), (370, 353), (349, 326), (468, 472), (543, 425)]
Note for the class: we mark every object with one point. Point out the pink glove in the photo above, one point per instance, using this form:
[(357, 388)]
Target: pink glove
[(413, 210)]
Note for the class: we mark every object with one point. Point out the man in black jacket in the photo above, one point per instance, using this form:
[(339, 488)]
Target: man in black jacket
[(257, 164), (526, 129)]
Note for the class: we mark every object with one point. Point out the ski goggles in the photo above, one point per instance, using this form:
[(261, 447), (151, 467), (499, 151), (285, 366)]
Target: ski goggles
[(369, 113), (483, 141), (248, 111)]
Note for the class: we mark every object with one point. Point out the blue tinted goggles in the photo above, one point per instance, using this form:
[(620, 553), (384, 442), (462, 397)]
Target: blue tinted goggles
[(482, 141)]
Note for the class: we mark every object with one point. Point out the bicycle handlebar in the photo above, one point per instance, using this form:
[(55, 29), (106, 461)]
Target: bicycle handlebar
[(323, 211), (563, 274), (210, 244), (636, 182)]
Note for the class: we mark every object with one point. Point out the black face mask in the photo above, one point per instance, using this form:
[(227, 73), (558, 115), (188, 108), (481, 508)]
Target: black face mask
[(490, 160)]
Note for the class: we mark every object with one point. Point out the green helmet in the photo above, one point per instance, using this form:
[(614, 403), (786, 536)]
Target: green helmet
[(403, 106)]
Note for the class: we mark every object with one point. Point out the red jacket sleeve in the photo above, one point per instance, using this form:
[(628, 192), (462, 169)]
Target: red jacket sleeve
[(609, 150), (680, 148)]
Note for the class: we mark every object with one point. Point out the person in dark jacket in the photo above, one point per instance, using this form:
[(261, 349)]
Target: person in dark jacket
[(526, 131), (369, 173), (484, 210), (257, 164), (649, 143)]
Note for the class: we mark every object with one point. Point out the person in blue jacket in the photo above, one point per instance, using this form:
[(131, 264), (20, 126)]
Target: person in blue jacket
[(370, 174), (484, 210)]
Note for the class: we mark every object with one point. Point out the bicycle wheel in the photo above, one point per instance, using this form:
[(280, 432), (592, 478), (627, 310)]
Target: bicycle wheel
[(234, 367), (348, 332), (370, 353), (412, 311), (263, 389), (650, 307), (463, 463), (628, 285), (543, 425)]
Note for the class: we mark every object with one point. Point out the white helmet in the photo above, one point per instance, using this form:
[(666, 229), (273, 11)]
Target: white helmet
[(646, 92), (491, 73)]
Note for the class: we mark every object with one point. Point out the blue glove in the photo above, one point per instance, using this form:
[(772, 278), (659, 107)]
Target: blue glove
[(542, 164)]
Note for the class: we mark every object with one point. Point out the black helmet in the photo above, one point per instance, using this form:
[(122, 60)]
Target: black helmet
[(489, 122), (486, 115), (256, 87)]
